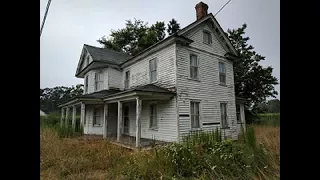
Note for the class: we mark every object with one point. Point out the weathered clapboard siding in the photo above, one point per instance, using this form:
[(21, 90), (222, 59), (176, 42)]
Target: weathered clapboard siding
[(167, 123), (197, 36), (90, 129), (207, 90), (91, 79), (139, 71), (84, 63), (114, 78)]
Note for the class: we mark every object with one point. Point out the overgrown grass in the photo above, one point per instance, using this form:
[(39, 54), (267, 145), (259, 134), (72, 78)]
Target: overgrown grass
[(269, 119), (201, 156)]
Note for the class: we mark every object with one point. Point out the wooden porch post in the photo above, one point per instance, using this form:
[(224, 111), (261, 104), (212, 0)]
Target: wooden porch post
[(67, 116), (62, 117), (82, 116), (119, 130), (242, 116), (138, 122), (105, 121), (74, 113)]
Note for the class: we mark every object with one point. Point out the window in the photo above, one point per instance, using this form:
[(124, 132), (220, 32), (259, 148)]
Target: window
[(222, 73), (86, 85), (207, 37), (223, 111), (98, 84), (194, 67), (238, 113), (153, 70), (96, 117), (195, 115), (126, 80), (153, 116)]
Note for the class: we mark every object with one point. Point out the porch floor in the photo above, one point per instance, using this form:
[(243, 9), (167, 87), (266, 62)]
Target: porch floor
[(126, 141)]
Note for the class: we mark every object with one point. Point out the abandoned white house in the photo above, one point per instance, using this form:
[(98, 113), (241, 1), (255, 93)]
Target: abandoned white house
[(181, 84)]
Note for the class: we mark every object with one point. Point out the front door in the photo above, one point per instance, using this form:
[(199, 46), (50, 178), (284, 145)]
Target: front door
[(125, 119)]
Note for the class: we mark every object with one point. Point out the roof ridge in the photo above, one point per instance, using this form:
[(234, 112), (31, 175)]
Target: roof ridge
[(122, 53)]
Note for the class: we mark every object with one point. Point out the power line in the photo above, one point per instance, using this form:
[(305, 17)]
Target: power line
[(45, 16), (222, 7)]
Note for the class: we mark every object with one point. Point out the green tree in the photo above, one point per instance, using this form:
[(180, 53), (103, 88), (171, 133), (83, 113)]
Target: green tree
[(173, 27), (51, 97), (134, 37), (251, 80), (273, 106)]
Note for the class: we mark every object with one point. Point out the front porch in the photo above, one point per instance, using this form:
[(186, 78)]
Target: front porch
[(117, 117)]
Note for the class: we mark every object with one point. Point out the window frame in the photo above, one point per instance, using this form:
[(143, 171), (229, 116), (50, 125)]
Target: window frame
[(95, 115), (127, 81), (96, 82), (192, 115), (224, 74), (151, 126), (86, 84), (151, 71), (193, 66), (224, 125), (209, 37), (238, 113)]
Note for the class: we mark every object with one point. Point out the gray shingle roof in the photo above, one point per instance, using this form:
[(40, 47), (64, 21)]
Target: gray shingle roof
[(144, 88), (99, 94), (108, 55)]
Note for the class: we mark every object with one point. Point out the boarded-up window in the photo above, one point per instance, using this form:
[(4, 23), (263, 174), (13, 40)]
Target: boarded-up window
[(223, 111), (126, 80), (97, 117), (195, 114), (238, 113), (222, 73), (86, 85), (98, 81), (153, 70), (207, 37), (194, 66), (153, 116)]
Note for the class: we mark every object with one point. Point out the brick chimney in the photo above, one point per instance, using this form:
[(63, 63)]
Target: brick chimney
[(201, 10)]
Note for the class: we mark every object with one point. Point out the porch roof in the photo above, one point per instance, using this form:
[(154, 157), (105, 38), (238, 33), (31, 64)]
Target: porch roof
[(100, 96), (242, 100), (149, 91)]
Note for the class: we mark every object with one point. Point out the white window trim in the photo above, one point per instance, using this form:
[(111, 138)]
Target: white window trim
[(210, 34), (200, 114), (156, 60), (100, 73), (227, 118), (86, 84), (155, 128), (126, 80), (101, 116), (225, 69), (189, 72)]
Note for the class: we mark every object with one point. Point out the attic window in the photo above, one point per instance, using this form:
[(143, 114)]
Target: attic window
[(207, 37)]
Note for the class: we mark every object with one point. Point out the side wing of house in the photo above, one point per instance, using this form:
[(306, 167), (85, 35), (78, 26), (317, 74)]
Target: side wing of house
[(203, 100), (157, 68)]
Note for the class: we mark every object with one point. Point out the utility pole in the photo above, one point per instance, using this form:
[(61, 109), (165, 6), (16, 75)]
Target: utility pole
[(45, 16)]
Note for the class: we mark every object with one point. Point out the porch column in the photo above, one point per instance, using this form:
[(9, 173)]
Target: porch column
[(119, 130), (74, 113), (138, 122), (62, 117), (67, 116), (242, 116), (105, 121), (82, 116)]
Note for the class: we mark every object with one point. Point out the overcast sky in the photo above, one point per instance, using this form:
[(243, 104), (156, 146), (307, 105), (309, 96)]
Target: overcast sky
[(72, 23)]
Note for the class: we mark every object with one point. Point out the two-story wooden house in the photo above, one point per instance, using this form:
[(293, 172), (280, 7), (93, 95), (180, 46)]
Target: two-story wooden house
[(181, 84)]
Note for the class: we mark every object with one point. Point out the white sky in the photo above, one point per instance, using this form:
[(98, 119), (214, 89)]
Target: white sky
[(72, 23)]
